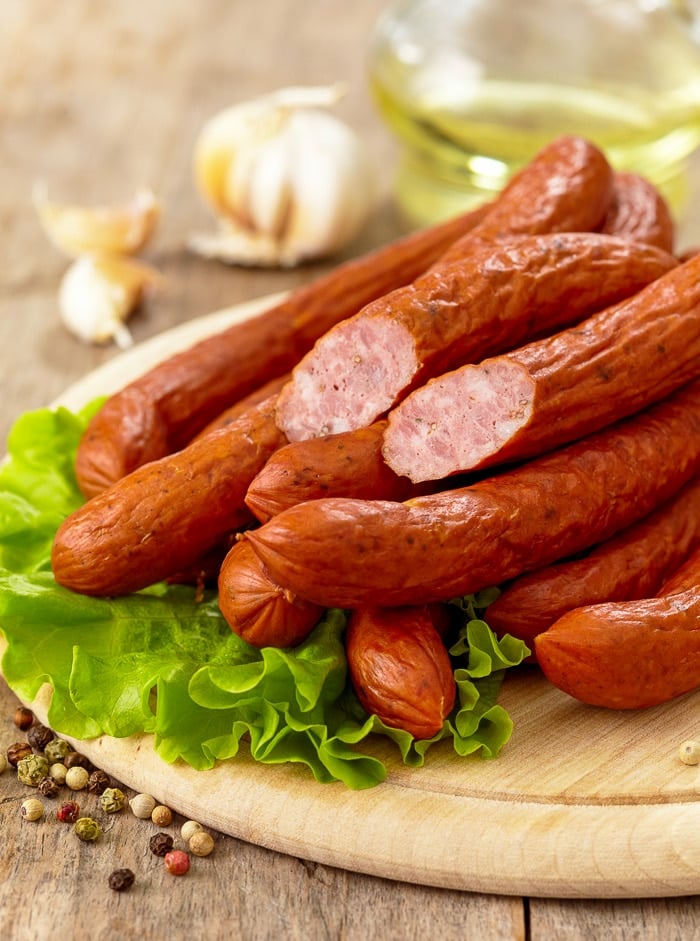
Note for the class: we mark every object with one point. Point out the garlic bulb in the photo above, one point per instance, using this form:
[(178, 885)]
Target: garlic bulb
[(99, 292), (287, 180), (119, 229)]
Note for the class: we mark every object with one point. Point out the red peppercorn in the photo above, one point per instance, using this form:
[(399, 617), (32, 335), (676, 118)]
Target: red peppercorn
[(177, 862), (68, 812)]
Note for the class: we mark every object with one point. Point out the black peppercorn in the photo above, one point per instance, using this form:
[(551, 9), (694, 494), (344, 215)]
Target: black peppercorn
[(98, 782), (48, 787), (18, 751), (74, 759), (121, 880), (23, 718), (39, 737), (160, 844)]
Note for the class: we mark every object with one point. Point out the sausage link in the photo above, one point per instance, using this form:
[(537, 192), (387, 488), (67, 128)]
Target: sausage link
[(628, 655), (348, 464), (554, 390), (400, 668), (631, 565), (163, 517), (472, 302), (162, 411), (639, 212), (349, 553), (257, 609), (273, 387)]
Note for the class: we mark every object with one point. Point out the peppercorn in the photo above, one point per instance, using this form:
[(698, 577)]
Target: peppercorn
[(160, 844), (32, 809), (121, 880), (162, 816), (58, 772), (32, 769), (689, 752), (98, 782), (112, 800), (77, 778), (39, 737), (142, 805), (48, 787), (87, 829), (201, 843), (74, 759), (68, 812), (188, 828), (56, 749), (3, 763), (23, 718), (16, 752), (177, 862)]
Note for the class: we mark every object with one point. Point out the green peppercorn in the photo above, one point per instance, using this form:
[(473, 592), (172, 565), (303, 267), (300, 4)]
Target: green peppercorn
[(32, 769), (56, 750), (112, 800), (87, 829)]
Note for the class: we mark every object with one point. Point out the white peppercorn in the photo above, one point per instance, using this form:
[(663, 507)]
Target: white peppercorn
[(201, 843), (162, 816), (77, 778), (58, 772), (32, 809), (142, 805), (189, 828), (689, 752)]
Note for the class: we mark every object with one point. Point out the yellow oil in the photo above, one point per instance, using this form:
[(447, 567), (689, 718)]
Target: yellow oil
[(460, 145)]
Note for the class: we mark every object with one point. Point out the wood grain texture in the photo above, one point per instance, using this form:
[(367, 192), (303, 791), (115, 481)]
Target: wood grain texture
[(99, 98)]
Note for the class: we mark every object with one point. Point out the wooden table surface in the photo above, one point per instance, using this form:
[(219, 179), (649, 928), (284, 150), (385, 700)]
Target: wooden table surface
[(99, 99)]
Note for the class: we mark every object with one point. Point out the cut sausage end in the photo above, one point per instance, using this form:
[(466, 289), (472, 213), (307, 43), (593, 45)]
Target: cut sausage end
[(459, 421), (334, 390)]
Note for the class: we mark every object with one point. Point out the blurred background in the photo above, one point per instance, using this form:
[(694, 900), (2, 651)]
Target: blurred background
[(101, 99)]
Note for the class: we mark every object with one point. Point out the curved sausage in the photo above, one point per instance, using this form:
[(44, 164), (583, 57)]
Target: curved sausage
[(474, 301), (639, 212), (239, 408), (633, 564), (349, 553), (554, 390), (400, 668), (163, 517), (162, 411), (256, 608), (348, 464), (628, 655)]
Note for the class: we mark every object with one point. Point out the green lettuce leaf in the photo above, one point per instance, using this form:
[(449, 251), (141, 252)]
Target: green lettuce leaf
[(164, 661)]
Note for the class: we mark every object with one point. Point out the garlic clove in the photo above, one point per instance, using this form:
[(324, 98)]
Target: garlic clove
[(287, 181), (77, 230), (99, 292)]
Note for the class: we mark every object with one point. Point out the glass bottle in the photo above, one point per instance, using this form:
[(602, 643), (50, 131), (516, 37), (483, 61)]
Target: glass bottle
[(473, 88)]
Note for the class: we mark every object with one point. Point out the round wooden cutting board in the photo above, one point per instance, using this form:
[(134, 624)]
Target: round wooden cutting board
[(582, 802)]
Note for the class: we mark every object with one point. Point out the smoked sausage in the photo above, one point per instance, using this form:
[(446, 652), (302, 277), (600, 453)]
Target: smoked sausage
[(161, 519), (639, 212), (554, 390), (348, 464), (162, 411), (350, 553), (256, 608), (400, 668), (631, 565), (629, 655), (508, 292)]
